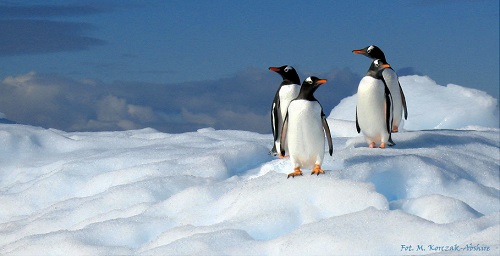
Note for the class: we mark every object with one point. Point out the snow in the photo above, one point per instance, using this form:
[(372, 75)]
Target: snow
[(218, 192), (431, 106)]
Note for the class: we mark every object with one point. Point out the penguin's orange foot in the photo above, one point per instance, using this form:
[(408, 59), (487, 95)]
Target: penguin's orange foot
[(395, 129), (382, 145), (317, 170), (296, 172), (282, 156), (371, 145)]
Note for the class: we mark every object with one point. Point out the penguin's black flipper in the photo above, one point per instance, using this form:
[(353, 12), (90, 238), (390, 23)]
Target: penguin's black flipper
[(327, 133), (388, 107), (357, 124), (274, 116), (274, 122), (403, 101), (388, 111), (283, 134)]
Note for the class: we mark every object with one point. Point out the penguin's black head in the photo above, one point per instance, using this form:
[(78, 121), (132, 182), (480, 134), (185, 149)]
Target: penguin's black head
[(372, 52), (309, 86), (376, 68), (287, 73)]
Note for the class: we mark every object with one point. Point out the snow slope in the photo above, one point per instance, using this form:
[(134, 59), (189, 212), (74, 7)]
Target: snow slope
[(144, 192)]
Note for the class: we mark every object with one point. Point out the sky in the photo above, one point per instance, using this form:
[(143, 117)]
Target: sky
[(178, 66)]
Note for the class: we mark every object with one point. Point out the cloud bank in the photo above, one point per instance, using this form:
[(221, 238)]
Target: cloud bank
[(241, 102)]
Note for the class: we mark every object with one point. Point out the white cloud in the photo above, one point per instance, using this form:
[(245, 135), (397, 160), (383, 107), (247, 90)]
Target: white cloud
[(142, 113), (111, 109), (19, 80), (203, 119)]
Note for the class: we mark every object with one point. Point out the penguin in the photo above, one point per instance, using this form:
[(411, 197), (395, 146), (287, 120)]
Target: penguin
[(305, 128), (392, 81), (287, 91), (374, 106)]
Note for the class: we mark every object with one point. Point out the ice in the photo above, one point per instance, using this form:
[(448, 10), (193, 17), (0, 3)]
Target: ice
[(219, 192)]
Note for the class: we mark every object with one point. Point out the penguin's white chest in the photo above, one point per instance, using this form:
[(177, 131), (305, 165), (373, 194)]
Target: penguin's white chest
[(306, 139), (286, 94), (370, 109)]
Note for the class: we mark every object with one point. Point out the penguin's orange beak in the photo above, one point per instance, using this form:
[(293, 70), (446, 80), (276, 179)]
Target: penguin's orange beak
[(386, 65), (321, 81), (275, 69), (360, 51)]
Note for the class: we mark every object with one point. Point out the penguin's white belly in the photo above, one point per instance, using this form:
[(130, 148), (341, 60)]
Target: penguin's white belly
[(371, 110), (391, 79), (286, 94), (305, 136)]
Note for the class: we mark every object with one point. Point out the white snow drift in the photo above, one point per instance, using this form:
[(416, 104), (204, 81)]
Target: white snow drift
[(431, 106), (219, 192)]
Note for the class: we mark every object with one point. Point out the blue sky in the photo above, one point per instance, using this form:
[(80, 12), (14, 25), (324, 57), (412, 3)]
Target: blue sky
[(184, 65)]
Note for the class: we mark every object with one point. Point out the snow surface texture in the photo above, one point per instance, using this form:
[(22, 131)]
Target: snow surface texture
[(219, 192)]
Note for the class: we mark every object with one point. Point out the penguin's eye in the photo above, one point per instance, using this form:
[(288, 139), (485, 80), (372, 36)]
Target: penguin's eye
[(377, 63), (309, 80), (288, 68), (369, 49)]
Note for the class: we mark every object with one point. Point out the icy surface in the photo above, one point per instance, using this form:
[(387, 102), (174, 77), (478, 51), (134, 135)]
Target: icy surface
[(218, 192)]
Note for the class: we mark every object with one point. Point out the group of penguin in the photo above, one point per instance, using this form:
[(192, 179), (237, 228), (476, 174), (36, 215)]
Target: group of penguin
[(299, 123)]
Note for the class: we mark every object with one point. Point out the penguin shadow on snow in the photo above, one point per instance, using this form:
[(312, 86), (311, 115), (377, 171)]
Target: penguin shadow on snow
[(433, 140), (422, 139), (359, 142), (393, 176), (390, 177)]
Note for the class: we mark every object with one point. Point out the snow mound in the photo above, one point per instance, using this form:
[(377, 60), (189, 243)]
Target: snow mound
[(439, 209), (431, 106), (219, 192)]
